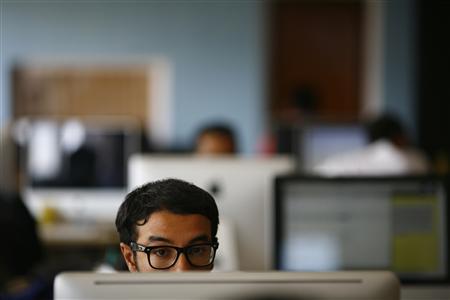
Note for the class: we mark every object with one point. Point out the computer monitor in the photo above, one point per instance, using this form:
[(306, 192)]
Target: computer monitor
[(319, 141), (354, 223), (228, 285), (76, 166), (241, 186)]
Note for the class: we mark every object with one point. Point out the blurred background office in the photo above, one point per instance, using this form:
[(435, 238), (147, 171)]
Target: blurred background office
[(85, 85), (254, 64)]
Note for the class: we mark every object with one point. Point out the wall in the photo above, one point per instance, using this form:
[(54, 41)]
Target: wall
[(400, 61), (216, 50)]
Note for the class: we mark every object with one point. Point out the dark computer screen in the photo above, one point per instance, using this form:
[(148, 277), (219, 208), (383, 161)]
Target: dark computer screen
[(396, 223), (77, 155)]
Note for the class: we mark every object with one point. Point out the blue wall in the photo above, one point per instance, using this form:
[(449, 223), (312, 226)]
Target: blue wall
[(400, 62), (217, 49)]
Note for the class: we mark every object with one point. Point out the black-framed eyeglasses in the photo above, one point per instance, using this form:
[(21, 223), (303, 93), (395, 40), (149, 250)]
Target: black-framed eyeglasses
[(165, 257)]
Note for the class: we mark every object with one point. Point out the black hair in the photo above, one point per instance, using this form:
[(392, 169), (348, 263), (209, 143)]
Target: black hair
[(173, 195), (385, 127), (217, 128)]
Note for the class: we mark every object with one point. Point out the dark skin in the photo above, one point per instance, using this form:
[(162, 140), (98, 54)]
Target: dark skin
[(214, 143), (165, 228)]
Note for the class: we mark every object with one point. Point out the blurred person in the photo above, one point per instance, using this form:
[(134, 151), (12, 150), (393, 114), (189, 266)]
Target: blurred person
[(18, 229), (301, 107), (21, 253), (168, 225), (215, 139), (389, 152), (26, 269)]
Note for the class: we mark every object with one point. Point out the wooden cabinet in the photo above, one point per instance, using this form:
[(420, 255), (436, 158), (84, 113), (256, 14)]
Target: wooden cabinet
[(86, 90), (315, 58)]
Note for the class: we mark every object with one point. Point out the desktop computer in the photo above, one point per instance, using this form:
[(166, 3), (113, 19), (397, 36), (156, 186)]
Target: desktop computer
[(242, 188), (357, 223), (318, 141), (376, 285), (76, 168)]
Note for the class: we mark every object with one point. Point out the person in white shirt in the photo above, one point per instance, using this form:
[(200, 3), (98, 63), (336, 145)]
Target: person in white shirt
[(388, 153)]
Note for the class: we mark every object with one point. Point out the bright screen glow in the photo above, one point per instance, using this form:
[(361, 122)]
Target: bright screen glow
[(321, 141)]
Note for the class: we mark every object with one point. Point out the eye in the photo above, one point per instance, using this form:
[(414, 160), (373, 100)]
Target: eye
[(160, 252), (197, 250)]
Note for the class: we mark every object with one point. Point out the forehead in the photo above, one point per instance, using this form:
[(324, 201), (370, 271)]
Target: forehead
[(175, 227)]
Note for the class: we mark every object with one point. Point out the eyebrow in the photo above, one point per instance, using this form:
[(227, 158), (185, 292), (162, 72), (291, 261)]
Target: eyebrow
[(155, 238), (200, 238)]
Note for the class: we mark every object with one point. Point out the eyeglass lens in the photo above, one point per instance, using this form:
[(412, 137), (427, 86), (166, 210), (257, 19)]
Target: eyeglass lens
[(164, 257)]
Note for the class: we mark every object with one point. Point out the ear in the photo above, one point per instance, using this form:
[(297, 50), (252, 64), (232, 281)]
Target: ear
[(211, 267), (129, 257)]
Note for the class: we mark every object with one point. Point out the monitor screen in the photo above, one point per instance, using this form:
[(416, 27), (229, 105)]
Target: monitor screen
[(318, 142), (397, 223), (76, 167), (228, 285), (78, 154)]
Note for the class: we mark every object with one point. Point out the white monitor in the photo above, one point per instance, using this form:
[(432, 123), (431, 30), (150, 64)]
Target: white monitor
[(77, 167), (241, 186), (354, 223), (378, 285)]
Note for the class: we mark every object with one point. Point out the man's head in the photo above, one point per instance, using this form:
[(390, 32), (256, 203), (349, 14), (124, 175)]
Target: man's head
[(387, 127), (170, 213), (215, 139)]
